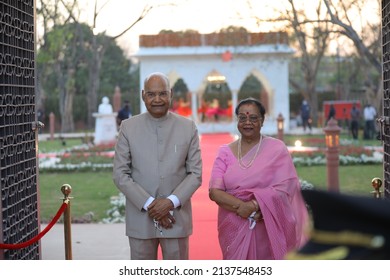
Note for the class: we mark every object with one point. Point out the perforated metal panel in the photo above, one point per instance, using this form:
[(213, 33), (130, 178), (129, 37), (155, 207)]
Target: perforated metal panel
[(18, 165), (384, 121)]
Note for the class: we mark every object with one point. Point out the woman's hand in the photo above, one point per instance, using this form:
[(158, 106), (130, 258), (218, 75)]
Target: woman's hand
[(245, 209), (258, 216), (227, 201)]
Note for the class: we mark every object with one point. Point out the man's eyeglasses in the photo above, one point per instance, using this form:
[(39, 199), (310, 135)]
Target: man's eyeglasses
[(153, 95), (252, 118)]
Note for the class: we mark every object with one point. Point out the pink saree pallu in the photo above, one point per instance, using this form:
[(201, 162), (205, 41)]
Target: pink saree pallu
[(273, 182)]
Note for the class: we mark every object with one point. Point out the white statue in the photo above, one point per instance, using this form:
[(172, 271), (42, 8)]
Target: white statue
[(105, 107), (105, 127)]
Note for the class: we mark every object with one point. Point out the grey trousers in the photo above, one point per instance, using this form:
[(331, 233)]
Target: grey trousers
[(146, 249)]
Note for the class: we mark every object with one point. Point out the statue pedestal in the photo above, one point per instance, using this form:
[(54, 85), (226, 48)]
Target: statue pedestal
[(105, 128)]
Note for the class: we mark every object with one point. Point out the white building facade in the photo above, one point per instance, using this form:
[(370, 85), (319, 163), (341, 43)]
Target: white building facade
[(195, 63)]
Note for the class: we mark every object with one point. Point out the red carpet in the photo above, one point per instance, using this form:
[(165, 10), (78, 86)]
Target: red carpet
[(204, 240)]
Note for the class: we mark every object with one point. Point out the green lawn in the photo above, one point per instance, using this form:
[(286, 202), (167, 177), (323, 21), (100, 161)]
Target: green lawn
[(91, 192), (57, 145), (354, 179)]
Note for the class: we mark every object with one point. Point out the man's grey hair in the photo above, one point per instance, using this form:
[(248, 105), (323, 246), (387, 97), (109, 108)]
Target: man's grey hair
[(157, 74)]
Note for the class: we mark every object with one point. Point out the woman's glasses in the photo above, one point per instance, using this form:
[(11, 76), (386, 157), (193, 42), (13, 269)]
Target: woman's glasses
[(251, 118)]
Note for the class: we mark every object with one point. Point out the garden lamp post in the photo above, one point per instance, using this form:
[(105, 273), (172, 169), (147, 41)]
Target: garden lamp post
[(280, 122), (332, 133)]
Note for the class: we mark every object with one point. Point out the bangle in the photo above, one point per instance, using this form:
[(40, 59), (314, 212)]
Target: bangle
[(256, 205)]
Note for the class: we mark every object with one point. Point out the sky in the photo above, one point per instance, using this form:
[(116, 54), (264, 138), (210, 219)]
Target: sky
[(205, 16)]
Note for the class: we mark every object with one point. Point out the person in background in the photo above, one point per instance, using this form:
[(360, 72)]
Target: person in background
[(158, 167), (261, 212), (346, 117), (41, 118), (369, 114), (332, 112), (124, 113), (355, 118), (212, 110), (305, 115), (202, 110), (184, 108)]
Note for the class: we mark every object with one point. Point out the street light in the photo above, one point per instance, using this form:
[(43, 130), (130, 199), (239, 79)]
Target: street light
[(332, 139)]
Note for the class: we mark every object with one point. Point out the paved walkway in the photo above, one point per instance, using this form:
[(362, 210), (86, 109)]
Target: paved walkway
[(89, 242)]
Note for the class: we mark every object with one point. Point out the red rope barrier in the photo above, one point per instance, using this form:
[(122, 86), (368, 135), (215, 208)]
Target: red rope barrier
[(39, 236)]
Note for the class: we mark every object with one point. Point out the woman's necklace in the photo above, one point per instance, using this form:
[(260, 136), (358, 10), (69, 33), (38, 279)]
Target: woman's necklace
[(240, 161)]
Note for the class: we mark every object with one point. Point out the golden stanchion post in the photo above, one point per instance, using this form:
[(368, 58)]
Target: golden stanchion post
[(66, 190), (376, 184)]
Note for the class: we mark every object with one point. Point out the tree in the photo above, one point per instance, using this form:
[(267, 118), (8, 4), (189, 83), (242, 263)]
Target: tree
[(87, 53), (312, 37), (367, 41), (99, 46), (61, 59), (310, 34), (115, 71), (57, 56)]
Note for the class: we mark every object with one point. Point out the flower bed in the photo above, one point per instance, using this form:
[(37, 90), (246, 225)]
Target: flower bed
[(100, 157), (348, 155)]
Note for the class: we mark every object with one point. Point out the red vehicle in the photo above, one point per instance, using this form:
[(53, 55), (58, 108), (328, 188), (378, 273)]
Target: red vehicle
[(343, 109)]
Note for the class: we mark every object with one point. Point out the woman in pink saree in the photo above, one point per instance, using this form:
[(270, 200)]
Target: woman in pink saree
[(262, 214)]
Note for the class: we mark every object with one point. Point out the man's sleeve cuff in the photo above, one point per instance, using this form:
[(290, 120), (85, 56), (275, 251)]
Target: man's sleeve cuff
[(175, 200), (148, 202)]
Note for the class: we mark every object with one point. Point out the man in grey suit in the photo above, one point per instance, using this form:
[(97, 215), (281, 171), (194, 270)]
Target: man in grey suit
[(158, 167)]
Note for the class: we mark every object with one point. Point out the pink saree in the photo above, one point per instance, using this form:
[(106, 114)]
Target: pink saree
[(273, 182)]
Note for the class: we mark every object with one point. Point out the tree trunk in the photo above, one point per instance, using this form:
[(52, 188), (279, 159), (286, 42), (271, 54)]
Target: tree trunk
[(66, 94), (68, 122), (94, 80)]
